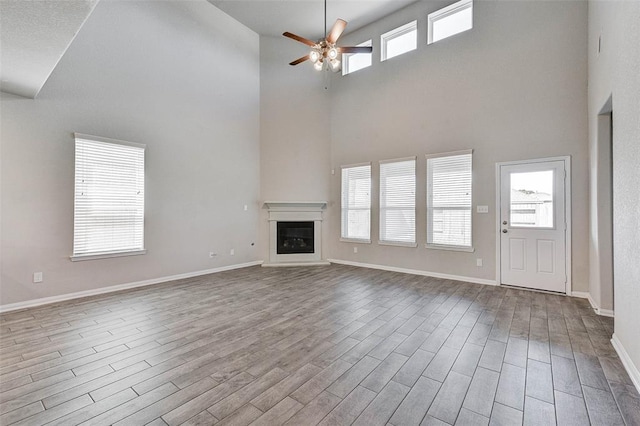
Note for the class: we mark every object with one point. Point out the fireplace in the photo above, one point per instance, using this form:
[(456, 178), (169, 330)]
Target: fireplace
[(295, 237), (295, 233)]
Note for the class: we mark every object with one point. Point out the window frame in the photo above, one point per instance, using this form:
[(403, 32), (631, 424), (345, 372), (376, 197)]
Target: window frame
[(451, 247), (383, 208), (445, 12), (77, 256), (347, 56), (395, 33), (343, 208)]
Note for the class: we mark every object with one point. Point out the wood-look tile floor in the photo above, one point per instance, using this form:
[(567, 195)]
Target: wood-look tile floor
[(321, 345)]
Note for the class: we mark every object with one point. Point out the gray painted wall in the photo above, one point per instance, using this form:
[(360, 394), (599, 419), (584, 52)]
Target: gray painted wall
[(512, 88), (614, 73), (181, 77), (294, 130)]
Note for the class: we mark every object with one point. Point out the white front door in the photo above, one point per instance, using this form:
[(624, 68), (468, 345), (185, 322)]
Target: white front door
[(533, 225)]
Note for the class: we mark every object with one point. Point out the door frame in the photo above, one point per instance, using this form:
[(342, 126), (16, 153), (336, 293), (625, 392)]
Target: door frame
[(567, 212)]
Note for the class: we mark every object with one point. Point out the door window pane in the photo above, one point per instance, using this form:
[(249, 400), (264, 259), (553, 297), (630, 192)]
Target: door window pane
[(532, 199)]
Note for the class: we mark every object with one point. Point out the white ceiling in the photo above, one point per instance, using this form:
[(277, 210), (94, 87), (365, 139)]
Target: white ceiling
[(306, 17), (34, 36)]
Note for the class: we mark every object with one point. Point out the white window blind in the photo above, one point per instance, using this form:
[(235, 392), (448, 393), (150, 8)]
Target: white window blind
[(449, 200), (109, 197), (356, 202), (398, 201)]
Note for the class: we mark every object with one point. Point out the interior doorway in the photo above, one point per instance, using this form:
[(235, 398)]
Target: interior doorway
[(601, 252)]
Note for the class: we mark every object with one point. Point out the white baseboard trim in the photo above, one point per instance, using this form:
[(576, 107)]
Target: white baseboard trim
[(606, 312), (414, 272), (580, 294), (598, 310), (111, 289), (632, 369)]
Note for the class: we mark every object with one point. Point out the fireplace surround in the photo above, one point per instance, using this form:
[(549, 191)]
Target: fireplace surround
[(295, 233)]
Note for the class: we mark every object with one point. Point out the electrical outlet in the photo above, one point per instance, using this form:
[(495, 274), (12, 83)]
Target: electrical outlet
[(212, 254), (37, 277), (355, 249), (232, 252), (478, 262), (246, 207)]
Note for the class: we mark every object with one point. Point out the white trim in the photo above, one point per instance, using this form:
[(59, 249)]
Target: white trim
[(398, 160), (445, 12), (349, 166), (449, 248), (414, 272), (295, 205), (395, 33), (579, 294), (606, 313), (397, 243), (108, 140), (354, 240), (449, 154), (114, 288), (597, 309), (567, 213), (82, 257), (347, 56), (298, 211), (632, 370)]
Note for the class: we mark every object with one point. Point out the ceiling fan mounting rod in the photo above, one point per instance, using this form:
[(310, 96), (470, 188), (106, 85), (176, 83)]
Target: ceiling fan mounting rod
[(325, 19)]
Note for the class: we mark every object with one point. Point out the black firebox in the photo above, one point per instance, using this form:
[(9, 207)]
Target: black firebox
[(295, 237)]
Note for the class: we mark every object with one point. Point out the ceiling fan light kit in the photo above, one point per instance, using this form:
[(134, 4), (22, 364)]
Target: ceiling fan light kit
[(325, 50)]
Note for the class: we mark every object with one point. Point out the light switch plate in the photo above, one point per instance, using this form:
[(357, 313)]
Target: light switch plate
[(482, 209)]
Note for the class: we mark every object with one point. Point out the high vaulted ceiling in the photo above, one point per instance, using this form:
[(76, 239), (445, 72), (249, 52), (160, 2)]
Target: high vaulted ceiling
[(34, 35), (306, 17)]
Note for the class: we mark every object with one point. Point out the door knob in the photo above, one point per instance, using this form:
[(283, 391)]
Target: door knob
[(504, 231), (504, 222)]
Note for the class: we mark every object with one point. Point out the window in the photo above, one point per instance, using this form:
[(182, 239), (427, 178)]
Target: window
[(401, 40), (109, 198), (352, 62), (531, 201), (398, 202), (356, 202), (451, 20), (449, 200)]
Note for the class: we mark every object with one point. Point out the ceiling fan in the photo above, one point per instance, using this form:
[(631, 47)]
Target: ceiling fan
[(325, 50)]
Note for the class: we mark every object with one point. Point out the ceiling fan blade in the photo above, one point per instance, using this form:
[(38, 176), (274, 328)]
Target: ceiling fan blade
[(336, 31), (355, 49), (300, 39), (299, 60)]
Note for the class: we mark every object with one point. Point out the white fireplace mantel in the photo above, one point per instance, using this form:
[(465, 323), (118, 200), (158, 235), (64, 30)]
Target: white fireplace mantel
[(295, 205), (295, 211)]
